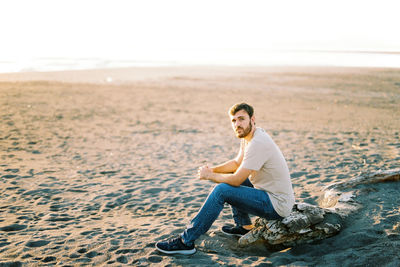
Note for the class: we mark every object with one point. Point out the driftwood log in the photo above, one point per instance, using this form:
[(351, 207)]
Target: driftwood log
[(308, 223)]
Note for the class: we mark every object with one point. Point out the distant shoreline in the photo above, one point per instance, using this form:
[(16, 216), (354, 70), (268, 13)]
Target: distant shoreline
[(139, 74), (236, 58)]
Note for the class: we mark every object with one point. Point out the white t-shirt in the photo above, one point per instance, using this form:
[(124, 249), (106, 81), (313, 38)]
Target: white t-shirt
[(272, 175)]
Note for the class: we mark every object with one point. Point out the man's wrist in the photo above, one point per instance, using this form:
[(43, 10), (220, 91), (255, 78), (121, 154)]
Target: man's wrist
[(212, 177)]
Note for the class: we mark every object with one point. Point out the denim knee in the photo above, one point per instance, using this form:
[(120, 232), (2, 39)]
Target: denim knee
[(220, 189)]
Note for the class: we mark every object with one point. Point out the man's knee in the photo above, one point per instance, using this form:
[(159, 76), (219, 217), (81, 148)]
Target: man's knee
[(220, 189)]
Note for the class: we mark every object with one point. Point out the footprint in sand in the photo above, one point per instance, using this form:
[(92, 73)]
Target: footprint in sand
[(154, 190), (93, 254), (13, 227), (297, 174), (122, 259), (154, 259), (38, 243), (49, 259), (82, 250)]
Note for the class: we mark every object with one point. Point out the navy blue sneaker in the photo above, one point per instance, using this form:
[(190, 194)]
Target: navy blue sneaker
[(175, 246), (234, 230)]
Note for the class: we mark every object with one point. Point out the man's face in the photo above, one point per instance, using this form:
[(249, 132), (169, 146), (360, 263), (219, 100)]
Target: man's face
[(241, 123)]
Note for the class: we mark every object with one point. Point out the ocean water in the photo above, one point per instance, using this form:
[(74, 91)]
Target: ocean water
[(204, 58)]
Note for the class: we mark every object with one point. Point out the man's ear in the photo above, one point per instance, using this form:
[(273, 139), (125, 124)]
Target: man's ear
[(253, 120)]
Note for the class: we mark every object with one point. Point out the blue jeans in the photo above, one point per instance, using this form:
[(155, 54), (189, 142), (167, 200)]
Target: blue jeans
[(244, 200)]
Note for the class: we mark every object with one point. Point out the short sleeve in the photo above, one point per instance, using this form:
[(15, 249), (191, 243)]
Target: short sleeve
[(255, 155)]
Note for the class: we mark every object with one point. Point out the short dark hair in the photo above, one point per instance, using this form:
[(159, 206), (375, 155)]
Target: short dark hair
[(241, 106)]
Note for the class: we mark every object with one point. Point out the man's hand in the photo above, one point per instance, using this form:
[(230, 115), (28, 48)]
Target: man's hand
[(204, 173)]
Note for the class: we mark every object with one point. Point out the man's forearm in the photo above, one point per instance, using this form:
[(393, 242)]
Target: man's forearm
[(234, 179), (227, 167), (222, 178)]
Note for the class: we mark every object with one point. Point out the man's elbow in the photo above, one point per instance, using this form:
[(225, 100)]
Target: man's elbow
[(237, 182), (235, 162)]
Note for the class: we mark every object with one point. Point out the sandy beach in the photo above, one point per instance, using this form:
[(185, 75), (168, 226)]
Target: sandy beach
[(98, 165)]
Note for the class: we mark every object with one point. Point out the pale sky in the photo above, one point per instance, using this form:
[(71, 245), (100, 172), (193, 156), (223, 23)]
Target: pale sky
[(117, 28)]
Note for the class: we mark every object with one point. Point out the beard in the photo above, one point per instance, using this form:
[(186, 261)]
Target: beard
[(245, 132)]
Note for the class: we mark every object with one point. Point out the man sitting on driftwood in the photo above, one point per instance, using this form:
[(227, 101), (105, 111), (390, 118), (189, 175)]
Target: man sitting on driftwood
[(256, 182)]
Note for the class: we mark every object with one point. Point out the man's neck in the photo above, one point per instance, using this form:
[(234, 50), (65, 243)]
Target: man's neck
[(250, 135)]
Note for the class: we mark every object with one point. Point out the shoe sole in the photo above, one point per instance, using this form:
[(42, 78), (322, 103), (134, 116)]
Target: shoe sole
[(238, 235), (182, 252)]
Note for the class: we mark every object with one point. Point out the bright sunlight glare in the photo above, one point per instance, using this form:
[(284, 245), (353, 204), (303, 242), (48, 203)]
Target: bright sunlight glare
[(127, 29)]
